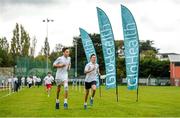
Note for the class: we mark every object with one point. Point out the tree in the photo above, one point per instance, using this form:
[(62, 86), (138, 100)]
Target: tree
[(46, 47), (121, 67), (20, 43), (147, 45), (58, 47), (40, 58), (33, 47), (148, 54), (15, 43), (45, 51), (25, 42), (4, 52), (56, 52), (4, 45), (41, 52), (154, 67)]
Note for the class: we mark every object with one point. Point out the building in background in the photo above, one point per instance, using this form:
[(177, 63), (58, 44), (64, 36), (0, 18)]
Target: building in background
[(174, 69), (164, 56)]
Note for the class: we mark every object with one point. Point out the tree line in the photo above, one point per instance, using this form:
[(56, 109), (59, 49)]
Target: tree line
[(22, 45)]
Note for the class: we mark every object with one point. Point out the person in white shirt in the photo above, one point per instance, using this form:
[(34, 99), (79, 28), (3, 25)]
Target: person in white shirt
[(48, 82), (29, 81), (22, 81), (2, 84), (10, 84), (16, 84), (38, 81), (34, 80), (91, 70), (63, 65)]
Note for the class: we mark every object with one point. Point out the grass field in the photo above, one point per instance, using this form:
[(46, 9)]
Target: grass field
[(3, 93), (153, 101)]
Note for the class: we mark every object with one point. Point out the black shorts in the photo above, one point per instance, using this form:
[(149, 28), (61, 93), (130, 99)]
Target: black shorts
[(88, 85)]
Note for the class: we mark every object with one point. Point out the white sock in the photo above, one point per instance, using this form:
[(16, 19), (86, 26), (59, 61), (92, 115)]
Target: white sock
[(85, 103), (65, 100), (57, 100)]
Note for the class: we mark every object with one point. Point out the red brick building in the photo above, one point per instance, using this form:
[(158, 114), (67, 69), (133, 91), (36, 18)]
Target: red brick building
[(175, 69)]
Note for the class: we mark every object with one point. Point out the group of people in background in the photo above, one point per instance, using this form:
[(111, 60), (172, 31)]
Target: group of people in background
[(15, 84), (33, 81), (12, 84)]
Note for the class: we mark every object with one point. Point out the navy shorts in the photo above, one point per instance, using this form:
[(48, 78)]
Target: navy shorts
[(88, 85)]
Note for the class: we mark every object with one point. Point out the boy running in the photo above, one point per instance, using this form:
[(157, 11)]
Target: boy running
[(91, 70), (63, 65), (48, 82)]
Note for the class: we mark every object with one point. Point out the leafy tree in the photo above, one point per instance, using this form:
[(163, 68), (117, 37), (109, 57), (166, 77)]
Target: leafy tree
[(46, 47), (147, 45), (33, 47), (56, 52), (15, 43), (148, 54), (4, 52), (20, 43), (25, 42), (4, 45), (154, 67)]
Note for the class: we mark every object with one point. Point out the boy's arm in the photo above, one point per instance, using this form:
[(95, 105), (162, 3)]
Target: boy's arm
[(57, 64), (88, 70), (53, 79)]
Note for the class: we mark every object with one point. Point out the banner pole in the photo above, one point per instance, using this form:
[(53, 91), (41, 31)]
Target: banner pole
[(137, 96), (116, 56), (117, 95), (99, 87), (137, 93)]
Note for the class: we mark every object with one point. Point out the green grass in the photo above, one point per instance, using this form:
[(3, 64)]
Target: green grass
[(3, 92), (153, 101)]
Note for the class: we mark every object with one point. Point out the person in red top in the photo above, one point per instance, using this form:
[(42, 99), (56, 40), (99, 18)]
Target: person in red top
[(48, 82)]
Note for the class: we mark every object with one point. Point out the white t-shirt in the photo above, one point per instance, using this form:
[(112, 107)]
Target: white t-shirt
[(62, 73), (48, 80), (9, 80), (22, 79), (34, 79), (38, 79), (15, 79), (91, 76), (29, 80), (2, 81)]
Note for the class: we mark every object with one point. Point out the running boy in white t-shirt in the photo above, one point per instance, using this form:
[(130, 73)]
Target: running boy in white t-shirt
[(91, 70), (63, 65)]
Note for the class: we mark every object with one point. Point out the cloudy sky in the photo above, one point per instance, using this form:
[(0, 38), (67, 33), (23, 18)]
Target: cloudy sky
[(157, 20)]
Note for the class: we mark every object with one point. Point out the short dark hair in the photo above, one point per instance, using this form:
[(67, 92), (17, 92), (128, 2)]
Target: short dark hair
[(64, 49), (49, 72), (92, 55)]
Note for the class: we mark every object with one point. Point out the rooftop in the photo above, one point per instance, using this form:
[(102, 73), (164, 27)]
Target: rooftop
[(174, 58)]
